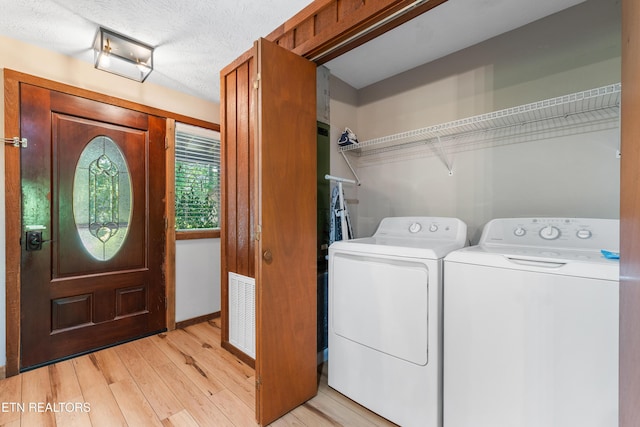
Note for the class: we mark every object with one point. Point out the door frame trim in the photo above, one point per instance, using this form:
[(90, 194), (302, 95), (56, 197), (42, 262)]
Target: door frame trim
[(12, 81)]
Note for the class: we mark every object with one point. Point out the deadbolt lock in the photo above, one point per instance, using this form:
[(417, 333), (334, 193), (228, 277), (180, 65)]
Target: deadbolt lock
[(34, 240)]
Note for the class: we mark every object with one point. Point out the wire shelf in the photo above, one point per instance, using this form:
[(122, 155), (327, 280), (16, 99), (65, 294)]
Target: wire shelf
[(576, 112)]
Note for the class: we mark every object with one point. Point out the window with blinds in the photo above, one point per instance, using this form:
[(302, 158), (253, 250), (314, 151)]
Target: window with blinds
[(197, 177)]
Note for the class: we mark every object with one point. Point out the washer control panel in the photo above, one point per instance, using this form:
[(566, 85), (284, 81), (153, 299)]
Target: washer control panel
[(567, 233)]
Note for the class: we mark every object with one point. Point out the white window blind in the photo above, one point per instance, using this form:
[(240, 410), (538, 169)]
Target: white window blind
[(197, 177)]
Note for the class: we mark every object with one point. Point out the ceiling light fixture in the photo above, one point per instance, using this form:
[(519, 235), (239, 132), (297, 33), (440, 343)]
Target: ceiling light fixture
[(122, 55)]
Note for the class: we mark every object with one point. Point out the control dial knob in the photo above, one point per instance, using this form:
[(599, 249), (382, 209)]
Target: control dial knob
[(415, 227), (433, 228), (549, 232), (519, 231), (583, 234)]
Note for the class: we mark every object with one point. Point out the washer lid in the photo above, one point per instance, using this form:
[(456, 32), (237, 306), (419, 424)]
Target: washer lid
[(579, 263)]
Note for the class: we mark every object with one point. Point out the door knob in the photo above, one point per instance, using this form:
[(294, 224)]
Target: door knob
[(267, 256)]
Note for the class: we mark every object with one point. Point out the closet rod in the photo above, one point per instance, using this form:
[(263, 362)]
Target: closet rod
[(338, 179)]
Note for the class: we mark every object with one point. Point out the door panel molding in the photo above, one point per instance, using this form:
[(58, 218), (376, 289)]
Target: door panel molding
[(12, 81)]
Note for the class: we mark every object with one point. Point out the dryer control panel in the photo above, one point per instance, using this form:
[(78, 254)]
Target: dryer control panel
[(422, 227), (565, 233)]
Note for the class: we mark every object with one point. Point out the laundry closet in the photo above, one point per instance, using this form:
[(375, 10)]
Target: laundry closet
[(551, 166)]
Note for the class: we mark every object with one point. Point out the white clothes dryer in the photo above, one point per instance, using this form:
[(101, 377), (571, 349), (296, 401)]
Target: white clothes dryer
[(531, 325), (385, 317)]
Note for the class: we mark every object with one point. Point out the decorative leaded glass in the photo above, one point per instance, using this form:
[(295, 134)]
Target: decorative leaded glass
[(102, 198)]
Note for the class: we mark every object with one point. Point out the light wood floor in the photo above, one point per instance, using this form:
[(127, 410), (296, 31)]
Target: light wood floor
[(180, 378)]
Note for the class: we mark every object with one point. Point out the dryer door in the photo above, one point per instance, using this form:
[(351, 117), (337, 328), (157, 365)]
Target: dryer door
[(381, 302)]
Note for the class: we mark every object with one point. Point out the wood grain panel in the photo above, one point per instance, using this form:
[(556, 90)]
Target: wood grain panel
[(237, 148), (286, 211), (227, 182), (170, 243), (13, 203), (243, 178), (630, 219), (341, 25)]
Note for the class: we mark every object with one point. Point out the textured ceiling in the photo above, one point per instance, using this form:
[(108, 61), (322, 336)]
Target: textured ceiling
[(195, 39)]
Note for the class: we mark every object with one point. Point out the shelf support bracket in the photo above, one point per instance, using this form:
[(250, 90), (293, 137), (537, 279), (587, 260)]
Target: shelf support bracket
[(344, 156), (443, 156)]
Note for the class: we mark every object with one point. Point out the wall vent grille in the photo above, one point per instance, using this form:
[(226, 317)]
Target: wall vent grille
[(242, 313)]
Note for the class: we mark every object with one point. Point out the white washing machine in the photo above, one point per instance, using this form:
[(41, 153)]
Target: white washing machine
[(385, 317), (531, 326)]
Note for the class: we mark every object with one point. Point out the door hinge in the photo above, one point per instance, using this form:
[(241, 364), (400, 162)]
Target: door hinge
[(256, 82), (166, 142), (166, 223), (16, 142), (258, 232), (258, 382)]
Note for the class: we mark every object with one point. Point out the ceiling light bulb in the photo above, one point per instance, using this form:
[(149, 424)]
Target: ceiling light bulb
[(104, 55), (142, 66), (105, 62)]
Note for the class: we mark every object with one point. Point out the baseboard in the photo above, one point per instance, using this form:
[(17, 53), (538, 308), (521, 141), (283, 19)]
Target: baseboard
[(244, 357), (184, 323)]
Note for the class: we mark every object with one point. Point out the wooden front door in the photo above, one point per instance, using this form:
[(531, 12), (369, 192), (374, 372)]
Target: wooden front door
[(93, 227)]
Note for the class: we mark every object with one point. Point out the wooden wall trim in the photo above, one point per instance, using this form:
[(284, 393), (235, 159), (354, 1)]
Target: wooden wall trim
[(107, 99), (12, 81), (629, 393), (197, 234), (170, 209), (12, 222), (328, 28)]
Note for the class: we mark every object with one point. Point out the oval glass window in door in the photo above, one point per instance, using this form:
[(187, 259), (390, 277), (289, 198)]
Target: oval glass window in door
[(102, 198)]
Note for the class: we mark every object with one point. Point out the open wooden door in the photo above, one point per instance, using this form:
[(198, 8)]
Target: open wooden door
[(268, 128), (286, 250), (630, 219)]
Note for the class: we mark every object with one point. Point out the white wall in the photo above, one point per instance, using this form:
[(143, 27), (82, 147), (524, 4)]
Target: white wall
[(343, 113), (32, 60), (197, 278), (574, 176)]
